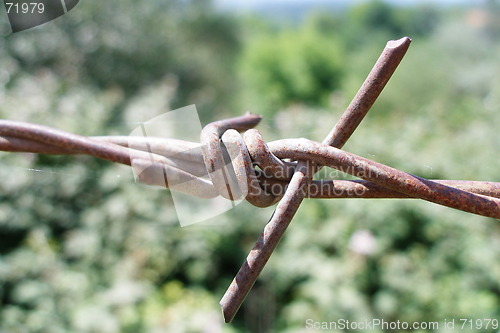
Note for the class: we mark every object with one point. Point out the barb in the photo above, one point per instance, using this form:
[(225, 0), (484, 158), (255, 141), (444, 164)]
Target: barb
[(233, 166), (287, 207)]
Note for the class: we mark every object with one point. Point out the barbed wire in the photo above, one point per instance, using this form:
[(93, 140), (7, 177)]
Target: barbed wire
[(234, 166), (265, 169)]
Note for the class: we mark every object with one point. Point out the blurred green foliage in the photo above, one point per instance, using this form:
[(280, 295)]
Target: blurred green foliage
[(293, 66), (83, 248), (380, 18)]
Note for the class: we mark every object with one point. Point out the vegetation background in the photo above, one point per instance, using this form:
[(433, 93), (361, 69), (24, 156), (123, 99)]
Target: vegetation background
[(83, 248)]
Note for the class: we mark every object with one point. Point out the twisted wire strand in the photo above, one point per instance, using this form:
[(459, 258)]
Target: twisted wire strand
[(301, 180), (239, 166)]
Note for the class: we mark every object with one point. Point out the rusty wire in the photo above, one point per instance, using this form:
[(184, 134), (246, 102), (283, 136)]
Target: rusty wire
[(233, 166)]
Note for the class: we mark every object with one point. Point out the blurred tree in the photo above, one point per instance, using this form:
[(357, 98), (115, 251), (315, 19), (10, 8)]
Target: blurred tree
[(126, 45), (292, 66), (376, 20), (492, 18), (375, 15)]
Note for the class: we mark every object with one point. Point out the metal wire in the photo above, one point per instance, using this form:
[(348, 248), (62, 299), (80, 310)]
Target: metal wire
[(234, 166), (269, 174)]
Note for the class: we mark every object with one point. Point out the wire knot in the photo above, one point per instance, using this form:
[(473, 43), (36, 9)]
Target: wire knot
[(245, 167)]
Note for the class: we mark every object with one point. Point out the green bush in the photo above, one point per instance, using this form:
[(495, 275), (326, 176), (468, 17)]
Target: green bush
[(295, 66)]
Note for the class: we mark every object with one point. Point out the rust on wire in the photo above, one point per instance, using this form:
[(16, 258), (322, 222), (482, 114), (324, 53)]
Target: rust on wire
[(237, 167), (261, 252)]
